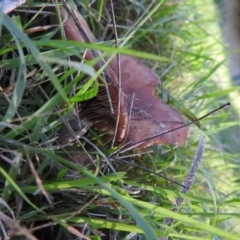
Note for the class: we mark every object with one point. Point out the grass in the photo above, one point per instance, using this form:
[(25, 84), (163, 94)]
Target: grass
[(46, 195)]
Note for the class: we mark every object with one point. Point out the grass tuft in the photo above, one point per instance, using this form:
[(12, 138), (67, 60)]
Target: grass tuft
[(63, 191)]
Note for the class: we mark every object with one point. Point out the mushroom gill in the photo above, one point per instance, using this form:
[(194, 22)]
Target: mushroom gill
[(97, 110)]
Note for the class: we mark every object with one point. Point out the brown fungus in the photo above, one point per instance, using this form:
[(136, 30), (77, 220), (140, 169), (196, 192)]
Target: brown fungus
[(149, 115), (142, 114), (97, 110)]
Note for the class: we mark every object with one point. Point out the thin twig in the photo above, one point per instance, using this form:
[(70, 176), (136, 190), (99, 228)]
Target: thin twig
[(175, 129), (119, 73), (150, 171)]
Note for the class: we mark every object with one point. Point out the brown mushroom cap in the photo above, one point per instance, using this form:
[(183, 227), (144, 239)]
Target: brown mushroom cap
[(149, 115)]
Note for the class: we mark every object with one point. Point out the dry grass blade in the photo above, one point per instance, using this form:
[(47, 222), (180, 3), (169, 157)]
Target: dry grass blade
[(188, 182), (117, 74), (38, 179), (15, 228)]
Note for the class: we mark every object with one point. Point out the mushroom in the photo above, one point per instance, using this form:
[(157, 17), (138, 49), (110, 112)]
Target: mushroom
[(97, 110), (142, 114), (149, 115)]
